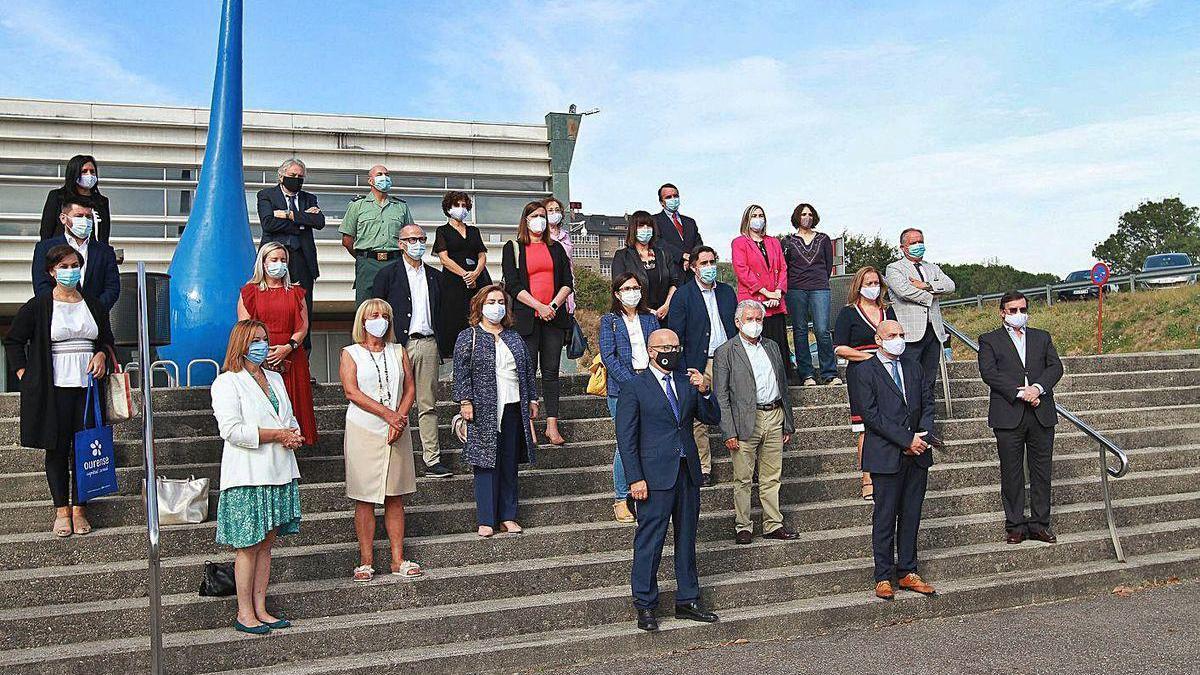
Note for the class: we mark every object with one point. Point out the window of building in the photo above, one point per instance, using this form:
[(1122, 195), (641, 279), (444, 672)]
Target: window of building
[(458, 183), (406, 180), (179, 202), (333, 204), (494, 238), (523, 184), (30, 169), (328, 178), (182, 173), (425, 208), (23, 198), (136, 201), (134, 172), (495, 210)]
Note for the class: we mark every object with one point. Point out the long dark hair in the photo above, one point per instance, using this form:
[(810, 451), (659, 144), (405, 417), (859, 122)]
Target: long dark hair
[(636, 220), (618, 307), (75, 169)]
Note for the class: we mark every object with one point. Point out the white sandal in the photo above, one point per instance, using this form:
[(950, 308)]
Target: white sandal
[(408, 570), (363, 573)]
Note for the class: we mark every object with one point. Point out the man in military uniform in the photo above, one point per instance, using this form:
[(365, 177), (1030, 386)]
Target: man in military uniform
[(371, 230)]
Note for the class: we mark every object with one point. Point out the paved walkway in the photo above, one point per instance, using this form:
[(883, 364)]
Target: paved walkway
[(1151, 632)]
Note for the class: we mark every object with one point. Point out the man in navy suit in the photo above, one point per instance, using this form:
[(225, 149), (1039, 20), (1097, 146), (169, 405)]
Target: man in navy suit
[(701, 314), (677, 233), (655, 411), (897, 412), (289, 215), (101, 279)]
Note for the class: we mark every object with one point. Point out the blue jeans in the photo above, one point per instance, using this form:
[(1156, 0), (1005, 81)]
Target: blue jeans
[(806, 306), (620, 487)]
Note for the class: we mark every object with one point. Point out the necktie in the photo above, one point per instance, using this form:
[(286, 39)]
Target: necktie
[(919, 272), (671, 396), (291, 201), (896, 378), (678, 225)]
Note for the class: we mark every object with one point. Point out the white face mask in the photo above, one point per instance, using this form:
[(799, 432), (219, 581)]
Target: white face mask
[(1017, 321), (494, 313), (869, 292), (894, 346), (537, 224), (460, 213), (757, 223), (630, 298), (377, 326), (554, 218), (752, 329), (81, 226), (87, 181)]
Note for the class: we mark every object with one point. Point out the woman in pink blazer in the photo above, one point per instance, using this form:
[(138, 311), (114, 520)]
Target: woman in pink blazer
[(762, 275)]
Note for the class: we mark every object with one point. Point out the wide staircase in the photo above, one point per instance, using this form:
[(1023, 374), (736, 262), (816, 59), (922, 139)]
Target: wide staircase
[(559, 593)]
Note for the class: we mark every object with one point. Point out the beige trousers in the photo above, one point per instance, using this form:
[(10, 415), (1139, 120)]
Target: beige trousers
[(700, 429), (764, 449), (425, 360)]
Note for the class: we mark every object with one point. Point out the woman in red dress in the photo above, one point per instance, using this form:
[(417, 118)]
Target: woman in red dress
[(271, 297)]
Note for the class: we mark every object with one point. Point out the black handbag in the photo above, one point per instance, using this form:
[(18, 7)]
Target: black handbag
[(576, 344), (218, 580)]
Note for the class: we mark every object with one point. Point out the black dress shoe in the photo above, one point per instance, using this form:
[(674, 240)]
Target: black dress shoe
[(782, 534), (694, 612), (743, 537), (706, 480), (647, 620), (1015, 537), (1046, 535)]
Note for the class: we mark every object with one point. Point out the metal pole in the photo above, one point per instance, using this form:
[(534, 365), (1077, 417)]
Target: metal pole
[(152, 532), (1049, 296), (1108, 512), (946, 382)]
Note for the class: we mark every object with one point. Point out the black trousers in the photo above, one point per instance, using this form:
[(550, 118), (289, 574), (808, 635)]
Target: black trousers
[(775, 327), (1033, 444), (60, 461), (545, 345), (924, 354), (301, 274), (898, 500)]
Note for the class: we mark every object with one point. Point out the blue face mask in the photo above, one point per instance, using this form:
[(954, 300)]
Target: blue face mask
[(68, 277), (672, 204), (645, 234), (277, 269), (383, 182), (257, 352), (917, 250), (416, 250), (708, 274)]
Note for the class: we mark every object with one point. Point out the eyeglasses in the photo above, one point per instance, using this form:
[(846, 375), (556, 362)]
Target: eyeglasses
[(629, 288), (1016, 310), (415, 240), (666, 349)]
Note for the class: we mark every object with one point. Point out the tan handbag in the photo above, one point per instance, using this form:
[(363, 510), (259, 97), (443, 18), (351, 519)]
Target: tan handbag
[(182, 500), (118, 397)]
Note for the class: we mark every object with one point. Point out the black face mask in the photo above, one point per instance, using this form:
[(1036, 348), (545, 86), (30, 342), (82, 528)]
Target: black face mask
[(668, 361), (293, 183)]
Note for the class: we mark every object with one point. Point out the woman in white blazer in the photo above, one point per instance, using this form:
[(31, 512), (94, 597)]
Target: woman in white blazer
[(260, 493)]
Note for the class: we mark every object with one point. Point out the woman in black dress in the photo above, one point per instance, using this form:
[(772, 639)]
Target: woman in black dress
[(854, 340), (80, 183), (644, 258), (464, 268)]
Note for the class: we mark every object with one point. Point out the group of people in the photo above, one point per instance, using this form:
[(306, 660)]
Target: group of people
[(684, 352)]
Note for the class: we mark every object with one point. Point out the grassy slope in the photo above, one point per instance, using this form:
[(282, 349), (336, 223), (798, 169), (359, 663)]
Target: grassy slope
[(1133, 322)]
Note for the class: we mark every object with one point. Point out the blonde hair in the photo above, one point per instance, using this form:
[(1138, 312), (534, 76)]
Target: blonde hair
[(856, 285), (259, 278), (359, 332), (745, 227), (239, 341)]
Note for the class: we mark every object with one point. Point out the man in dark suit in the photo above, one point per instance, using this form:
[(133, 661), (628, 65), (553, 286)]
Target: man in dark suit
[(701, 315), (1021, 367), (655, 411), (100, 277), (289, 215), (677, 233), (897, 412), (414, 289)]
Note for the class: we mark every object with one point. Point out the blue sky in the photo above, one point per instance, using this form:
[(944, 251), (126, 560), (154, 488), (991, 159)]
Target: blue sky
[(1015, 131)]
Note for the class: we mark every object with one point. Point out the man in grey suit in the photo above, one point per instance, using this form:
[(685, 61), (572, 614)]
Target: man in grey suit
[(915, 285), (756, 419)]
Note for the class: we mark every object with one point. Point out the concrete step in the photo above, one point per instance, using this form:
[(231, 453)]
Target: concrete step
[(582, 600)]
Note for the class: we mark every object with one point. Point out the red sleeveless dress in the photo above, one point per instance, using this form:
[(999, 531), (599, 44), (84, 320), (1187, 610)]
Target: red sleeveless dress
[(279, 309)]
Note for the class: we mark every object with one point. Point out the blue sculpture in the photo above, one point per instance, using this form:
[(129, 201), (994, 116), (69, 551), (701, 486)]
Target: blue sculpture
[(215, 255)]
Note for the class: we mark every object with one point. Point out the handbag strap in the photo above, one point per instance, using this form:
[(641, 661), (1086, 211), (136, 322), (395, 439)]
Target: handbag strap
[(92, 403)]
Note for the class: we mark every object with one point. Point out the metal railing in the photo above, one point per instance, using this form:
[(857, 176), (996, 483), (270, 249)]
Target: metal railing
[(1107, 447), (1050, 291), (151, 473)]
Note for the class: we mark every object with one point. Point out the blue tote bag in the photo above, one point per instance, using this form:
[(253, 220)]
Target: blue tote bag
[(95, 461)]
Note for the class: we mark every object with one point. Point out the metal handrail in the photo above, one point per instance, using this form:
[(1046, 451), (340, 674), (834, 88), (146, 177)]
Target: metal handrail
[(170, 368), (152, 525), (1050, 289), (201, 361), (1107, 447)]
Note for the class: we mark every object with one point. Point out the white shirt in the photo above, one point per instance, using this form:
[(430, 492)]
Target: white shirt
[(1019, 342), (292, 199), (887, 364), (418, 287), (637, 342), (766, 386), (81, 249), (73, 334), (507, 388), (716, 336)]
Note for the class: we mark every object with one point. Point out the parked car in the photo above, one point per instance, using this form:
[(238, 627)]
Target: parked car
[(1162, 262), (1086, 293)]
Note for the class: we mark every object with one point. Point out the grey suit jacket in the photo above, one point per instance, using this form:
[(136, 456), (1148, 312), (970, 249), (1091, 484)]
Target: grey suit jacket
[(733, 382), (916, 308)]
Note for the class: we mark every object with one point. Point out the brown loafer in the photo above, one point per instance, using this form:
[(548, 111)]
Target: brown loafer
[(883, 591), (1046, 535), (743, 537), (914, 583), (782, 534), (1015, 537)]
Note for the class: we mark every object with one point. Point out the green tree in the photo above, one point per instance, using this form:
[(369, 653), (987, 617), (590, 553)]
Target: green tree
[(868, 251), (1166, 226), (992, 277), (592, 291)]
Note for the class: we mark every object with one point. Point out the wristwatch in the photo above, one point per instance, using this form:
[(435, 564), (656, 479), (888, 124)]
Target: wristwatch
[(554, 305), (293, 344)]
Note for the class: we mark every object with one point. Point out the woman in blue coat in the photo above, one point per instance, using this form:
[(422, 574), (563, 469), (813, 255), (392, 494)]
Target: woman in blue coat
[(623, 335), (497, 393)]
